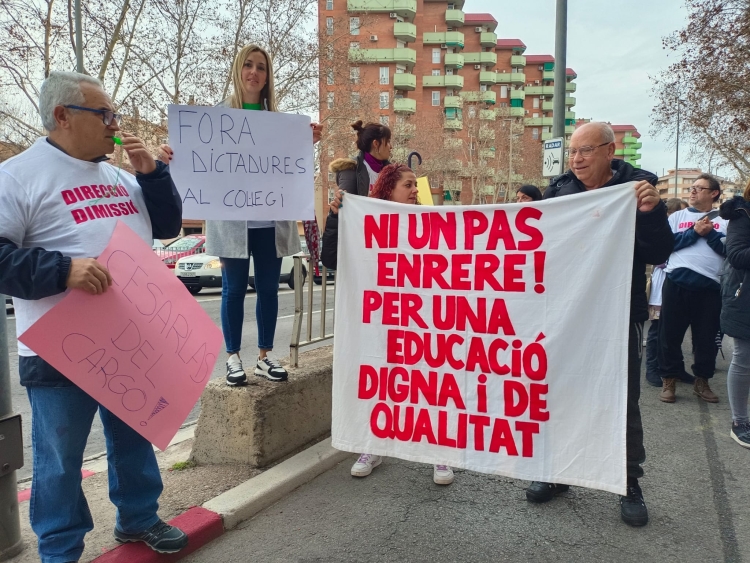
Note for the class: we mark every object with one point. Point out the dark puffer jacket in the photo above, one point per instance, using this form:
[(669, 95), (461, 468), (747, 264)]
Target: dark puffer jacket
[(352, 175), (654, 240), (735, 285)]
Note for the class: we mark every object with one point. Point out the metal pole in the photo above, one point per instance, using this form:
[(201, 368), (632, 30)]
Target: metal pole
[(510, 162), (10, 520), (79, 38), (677, 150), (561, 41)]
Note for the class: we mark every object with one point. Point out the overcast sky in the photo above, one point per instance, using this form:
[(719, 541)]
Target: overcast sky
[(613, 46)]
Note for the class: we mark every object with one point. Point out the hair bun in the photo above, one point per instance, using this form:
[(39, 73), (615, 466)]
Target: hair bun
[(358, 126)]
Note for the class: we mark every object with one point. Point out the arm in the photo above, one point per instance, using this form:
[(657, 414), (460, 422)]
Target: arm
[(162, 202), (738, 243), (685, 239), (347, 181), (716, 241), (654, 240), (329, 254), (31, 273)]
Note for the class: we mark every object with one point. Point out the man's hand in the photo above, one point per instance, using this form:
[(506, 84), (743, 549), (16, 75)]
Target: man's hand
[(703, 227), (317, 129), (648, 197), (139, 155), (89, 275), (337, 202)]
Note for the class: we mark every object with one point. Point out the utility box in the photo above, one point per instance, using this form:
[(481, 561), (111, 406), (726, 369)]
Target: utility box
[(11, 444)]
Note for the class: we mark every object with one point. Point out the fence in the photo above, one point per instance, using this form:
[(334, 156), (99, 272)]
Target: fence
[(300, 311)]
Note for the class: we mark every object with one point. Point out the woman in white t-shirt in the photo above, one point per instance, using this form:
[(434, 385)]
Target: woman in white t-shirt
[(236, 241)]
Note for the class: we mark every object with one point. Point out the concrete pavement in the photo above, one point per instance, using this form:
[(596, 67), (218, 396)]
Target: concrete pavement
[(697, 488)]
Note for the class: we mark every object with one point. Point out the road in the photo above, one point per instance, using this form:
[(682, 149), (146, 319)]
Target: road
[(696, 486), (210, 300)]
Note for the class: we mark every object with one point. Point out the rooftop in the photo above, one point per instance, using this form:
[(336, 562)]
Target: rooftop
[(510, 44), (571, 72), (627, 129), (538, 59), (478, 19)]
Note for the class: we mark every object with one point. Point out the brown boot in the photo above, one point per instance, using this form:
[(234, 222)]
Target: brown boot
[(702, 390), (667, 391)]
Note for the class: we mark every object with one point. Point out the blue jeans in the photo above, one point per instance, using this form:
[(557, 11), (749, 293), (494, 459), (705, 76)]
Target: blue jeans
[(61, 419), (261, 245), (652, 354)]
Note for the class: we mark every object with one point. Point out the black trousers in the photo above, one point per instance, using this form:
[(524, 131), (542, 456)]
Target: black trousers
[(635, 452), (682, 308)]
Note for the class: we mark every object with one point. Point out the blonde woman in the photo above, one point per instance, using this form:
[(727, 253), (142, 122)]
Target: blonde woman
[(236, 241)]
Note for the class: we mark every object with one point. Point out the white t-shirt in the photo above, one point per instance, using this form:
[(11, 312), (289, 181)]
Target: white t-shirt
[(373, 176), (54, 201), (698, 257), (657, 283)]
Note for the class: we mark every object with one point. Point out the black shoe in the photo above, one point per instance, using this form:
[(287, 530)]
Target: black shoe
[(539, 491), (161, 537), (235, 374), (633, 508), (270, 369), (740, 433)]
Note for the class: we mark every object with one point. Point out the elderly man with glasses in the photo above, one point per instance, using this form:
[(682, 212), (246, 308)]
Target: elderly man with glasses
[(592, 166), (59, 204), (691, 296)]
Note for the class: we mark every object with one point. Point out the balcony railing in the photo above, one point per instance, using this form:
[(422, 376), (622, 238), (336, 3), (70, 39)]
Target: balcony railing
[(449, 38), (405, 105), (404, 56), (517, 60), (405, 31), (455, 18), (404, 81), (454, 60), (407, 9)]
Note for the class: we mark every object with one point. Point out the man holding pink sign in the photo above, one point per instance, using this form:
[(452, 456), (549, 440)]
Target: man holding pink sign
[(60, 202)]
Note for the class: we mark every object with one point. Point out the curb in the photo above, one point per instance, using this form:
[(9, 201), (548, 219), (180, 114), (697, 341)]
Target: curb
[(224, 512)]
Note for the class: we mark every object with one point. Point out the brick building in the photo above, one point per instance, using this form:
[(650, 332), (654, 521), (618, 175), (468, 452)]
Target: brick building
[(473, 105)]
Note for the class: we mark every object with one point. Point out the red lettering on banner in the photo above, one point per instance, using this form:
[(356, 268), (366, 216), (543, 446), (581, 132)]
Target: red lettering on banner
[(384, 233), (525, 214)]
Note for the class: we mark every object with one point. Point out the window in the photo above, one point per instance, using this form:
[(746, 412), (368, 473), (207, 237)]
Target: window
[(482, 87), (450, 113), (503, 104), (330, 152), (384, 100), (354, 45), (449, 91), (355, 99), (435, 56), (535, 133), (435, 98), (329, 4), (400, 44), (354, 74), (536, 115), (354, 26), (384, 120), (329, 79), (400, 69), (385, 75), (329, 52), (503, 91), (451, 6), (329, 26), (472, 111), (449, 72), (536, 103), (330, 100), (435, 72), (331, 177)]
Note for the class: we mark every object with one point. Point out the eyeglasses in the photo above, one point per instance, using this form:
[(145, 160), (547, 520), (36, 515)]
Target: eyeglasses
[(585, 152), (108, 116), (695, 190)]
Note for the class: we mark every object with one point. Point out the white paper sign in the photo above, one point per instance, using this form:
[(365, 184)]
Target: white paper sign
[(492, 337), (233, 164)]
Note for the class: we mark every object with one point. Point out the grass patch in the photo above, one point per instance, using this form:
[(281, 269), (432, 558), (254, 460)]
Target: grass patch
[(182, 465)]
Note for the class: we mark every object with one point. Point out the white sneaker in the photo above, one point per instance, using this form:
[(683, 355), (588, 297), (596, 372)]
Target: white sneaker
[(270, 369), (442, 475), (235, 374), (365, 464)]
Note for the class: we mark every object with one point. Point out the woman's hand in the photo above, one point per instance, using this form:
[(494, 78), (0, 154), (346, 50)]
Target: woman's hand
[(337, 202), (165, 154), (317, 132)]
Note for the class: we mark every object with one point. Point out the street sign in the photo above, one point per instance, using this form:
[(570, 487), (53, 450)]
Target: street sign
[(552, 159)]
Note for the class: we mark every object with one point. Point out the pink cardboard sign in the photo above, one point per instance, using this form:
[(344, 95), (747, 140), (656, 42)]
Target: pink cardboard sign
[(144, 349)]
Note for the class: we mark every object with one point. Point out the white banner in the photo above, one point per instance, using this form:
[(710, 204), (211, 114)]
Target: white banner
[(489, 338), (235, 164)]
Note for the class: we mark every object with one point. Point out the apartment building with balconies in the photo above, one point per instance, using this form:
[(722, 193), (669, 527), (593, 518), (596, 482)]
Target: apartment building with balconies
[(627, 144)]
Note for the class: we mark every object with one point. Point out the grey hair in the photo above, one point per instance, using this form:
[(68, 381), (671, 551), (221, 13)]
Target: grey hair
[(60, 89), (606, 133)]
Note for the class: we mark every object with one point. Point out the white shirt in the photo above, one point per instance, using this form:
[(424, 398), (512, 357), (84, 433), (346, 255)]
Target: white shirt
[(373, 176), (657, 283), (54, 201), (698, 257)]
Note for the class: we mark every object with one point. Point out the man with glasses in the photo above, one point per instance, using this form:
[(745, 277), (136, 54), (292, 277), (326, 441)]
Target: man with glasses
[(59, 204), (592, 166), (691, 296)]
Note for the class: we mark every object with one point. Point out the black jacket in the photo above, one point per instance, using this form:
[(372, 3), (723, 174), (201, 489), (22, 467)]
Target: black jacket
[(329, 253), (735, 287), (653, 237), (352, 175), (35, 273)]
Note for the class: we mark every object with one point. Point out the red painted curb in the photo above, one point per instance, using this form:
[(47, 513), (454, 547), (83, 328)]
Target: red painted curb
[(202, 526)]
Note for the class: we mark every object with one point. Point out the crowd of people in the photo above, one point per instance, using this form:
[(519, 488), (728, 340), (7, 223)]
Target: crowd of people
[(44, 253)]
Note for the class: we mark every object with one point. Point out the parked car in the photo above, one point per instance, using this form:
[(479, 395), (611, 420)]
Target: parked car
[(203, 270), (185, 246)]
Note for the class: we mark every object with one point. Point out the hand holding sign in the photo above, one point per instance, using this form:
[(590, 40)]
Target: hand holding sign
[(89, 275), (145, 349)]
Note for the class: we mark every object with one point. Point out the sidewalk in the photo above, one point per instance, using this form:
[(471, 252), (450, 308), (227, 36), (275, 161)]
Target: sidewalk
[(697, 488)]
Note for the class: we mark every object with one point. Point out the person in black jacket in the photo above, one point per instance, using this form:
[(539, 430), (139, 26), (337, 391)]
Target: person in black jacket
[(59, 204), (735, 312), (592, 166), (357, 176)]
